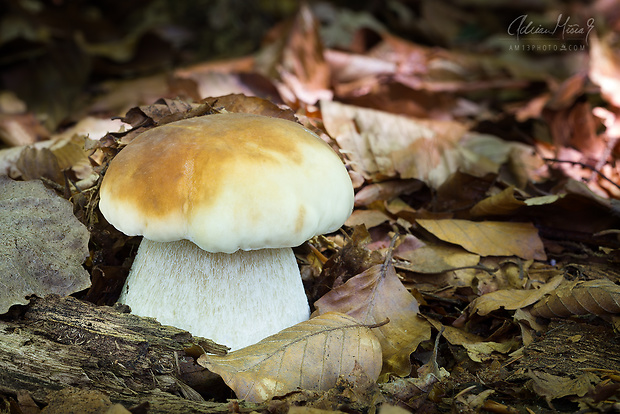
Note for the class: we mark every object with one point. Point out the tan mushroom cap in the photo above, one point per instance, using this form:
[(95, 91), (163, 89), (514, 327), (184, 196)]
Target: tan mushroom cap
[(227, 182)]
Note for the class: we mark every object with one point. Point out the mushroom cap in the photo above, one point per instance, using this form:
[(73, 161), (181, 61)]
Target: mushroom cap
[(227, 182)]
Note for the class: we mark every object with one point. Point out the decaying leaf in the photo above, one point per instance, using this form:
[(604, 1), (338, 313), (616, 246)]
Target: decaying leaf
[(489, 238), (374, 296), (42, 245), (311, 355), (552, 386), (596, 297)]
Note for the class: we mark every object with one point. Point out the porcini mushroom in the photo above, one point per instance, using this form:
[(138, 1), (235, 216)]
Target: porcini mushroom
[(220, 200)]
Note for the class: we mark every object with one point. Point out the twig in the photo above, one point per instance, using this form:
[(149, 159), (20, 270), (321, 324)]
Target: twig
[(584, 166), (434, 363), (379, 324)]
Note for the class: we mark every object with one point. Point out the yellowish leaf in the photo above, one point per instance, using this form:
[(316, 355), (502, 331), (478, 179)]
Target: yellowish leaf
[(369, 218), (489, 238), (310, 355), (477, 349), (437, 258), (503, 203), (374, 296), (512, 299)]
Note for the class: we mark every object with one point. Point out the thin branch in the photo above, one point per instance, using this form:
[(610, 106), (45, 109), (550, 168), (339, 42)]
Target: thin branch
[(584, 166)]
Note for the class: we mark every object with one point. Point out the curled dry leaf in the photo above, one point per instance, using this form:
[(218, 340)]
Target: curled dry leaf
[(596, 297), (310, 355), (42, 245), (489, 238), (372, 297), (552, 386), (502, 203), (386, 190)]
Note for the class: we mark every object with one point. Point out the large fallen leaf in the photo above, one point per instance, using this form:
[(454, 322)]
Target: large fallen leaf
[(489, 238), (596, 297), (381, 145), (42, 244), (552, 386), (310, 355), (512, 299), (372, 297)]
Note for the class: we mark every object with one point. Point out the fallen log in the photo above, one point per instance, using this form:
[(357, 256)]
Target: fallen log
[(61, 342)]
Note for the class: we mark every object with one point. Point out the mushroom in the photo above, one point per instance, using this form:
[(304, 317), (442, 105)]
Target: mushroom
[(220, 200)]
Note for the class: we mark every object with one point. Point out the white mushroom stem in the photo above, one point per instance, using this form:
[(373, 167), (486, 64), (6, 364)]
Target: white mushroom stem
[(234, 299)]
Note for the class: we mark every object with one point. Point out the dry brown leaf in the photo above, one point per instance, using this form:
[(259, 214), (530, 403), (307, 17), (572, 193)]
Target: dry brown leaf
[(117, 96), (596, 297), (553, 386), (223, 77), (436, 258), (34, 163), (374, 296), (348, 67), (250, 105), (381, 145), (311, 355), (303, 71), (20, 129), (489, 238), (386, 190), (512, 299), (605, 67)]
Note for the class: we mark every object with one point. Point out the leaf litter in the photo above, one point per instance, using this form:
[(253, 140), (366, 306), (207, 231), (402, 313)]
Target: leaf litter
[(482, 182)]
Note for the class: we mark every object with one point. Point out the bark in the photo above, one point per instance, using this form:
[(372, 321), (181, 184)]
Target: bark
[(64, 342)]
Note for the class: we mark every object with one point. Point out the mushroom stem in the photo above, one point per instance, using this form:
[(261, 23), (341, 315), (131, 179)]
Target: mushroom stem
[(234, 299)]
